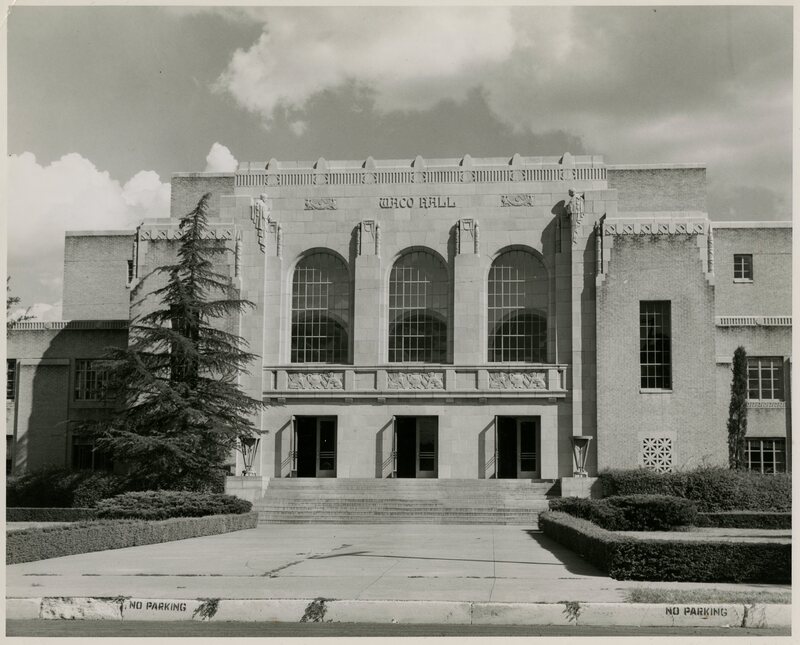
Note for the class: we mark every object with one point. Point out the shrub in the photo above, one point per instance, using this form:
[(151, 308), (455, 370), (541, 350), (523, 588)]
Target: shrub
[(713, 489), (745, 520), (163, 504), (625, 558), (61, 488), (69, 539), (49, 514), (630, 512)]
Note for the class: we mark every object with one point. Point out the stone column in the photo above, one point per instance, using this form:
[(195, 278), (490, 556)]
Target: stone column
[(469, 287), (368, 302)]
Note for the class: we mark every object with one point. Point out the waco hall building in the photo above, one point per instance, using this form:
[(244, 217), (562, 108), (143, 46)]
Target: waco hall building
[(515, 318)]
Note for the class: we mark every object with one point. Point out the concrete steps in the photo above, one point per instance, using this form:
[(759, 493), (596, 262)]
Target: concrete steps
[(396, 501)]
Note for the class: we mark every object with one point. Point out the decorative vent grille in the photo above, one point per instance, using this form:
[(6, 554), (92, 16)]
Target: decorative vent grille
[(754, 321), (657, 454)]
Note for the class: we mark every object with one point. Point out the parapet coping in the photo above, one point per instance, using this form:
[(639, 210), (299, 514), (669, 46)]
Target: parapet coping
[(110, 232), (203, 174), (764, 224)]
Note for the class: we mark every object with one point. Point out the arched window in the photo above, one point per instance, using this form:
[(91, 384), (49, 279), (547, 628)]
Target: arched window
[(517, 308), (320, 310), (418, 307)]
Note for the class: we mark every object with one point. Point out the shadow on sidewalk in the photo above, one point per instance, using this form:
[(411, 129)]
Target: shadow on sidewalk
[(571, 560)]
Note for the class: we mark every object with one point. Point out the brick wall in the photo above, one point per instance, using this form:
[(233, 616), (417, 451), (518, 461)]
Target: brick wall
[(188, 188), (770, 292), (662, 267), (659, 189), (96, 275)]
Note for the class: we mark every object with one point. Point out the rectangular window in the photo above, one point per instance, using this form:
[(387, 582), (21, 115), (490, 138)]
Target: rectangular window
[(766, 455), (743, 266), (11, 378), (85, 456), (765, 379), (130, 271), (9, 454), (89, 380), (655, 345)]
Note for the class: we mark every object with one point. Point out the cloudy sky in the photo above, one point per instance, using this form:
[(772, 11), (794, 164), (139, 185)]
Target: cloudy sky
[(105, 103)]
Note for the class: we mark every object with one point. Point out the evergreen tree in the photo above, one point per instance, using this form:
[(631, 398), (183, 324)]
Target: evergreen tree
[(737, 412), (179, 408)]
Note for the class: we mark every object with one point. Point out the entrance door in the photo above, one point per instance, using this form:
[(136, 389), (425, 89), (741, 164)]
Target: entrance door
[(517, 440), (416, 447), (316, 446)]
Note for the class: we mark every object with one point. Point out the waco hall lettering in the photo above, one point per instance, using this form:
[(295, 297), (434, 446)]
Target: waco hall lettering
[(436, 201)]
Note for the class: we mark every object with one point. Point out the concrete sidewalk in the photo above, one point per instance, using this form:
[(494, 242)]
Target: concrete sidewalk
[(469, 575), (397, 562)]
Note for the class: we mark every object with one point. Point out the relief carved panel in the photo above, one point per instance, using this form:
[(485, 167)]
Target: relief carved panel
[(315, 381), (518, 380), (415, 380)]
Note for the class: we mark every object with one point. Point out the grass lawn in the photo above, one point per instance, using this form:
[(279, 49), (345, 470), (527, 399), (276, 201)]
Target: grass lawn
[(706, 596)]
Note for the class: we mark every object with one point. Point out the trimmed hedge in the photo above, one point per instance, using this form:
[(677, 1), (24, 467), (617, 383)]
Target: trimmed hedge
[(163, 504), (61, 488), (630, 512), (69, 539), (625, 558), (745, 520), (49, 514), (713, 489)]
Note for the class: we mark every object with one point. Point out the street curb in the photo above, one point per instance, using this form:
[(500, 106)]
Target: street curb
[(296, 610)]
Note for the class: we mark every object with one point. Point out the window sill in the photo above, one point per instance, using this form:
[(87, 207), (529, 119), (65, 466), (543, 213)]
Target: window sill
[(743, 280), (654, 390)]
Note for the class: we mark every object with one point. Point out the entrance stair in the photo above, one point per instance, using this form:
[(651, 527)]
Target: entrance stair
[(405, 501)]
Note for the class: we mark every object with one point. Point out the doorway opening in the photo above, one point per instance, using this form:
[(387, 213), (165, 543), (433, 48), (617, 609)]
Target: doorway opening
[(416, 443), (315, 446), (517, 447)]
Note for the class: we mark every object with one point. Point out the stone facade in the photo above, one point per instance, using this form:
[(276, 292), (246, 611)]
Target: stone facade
[(600, 240)]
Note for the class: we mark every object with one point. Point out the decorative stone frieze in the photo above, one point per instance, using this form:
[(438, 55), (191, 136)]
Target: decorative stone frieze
[(415, 380), (532, 380), (467, 237), (315, 381), (368, 237), (523, 199), (654, 228), (260, 216), (320, 204), (155, 234)]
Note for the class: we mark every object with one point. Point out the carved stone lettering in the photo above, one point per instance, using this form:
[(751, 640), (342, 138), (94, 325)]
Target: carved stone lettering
[(415, 380), (315, 381), (518, 380)]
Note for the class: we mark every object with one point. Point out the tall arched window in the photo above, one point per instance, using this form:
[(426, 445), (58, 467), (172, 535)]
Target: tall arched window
[(418, 308), (320, 310), (517, 308)]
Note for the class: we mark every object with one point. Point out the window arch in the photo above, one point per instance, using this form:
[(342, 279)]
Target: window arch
[(320, 309), (418, 309), (517, 308)]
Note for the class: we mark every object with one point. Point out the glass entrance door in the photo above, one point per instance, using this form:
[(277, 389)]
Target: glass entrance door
[(516, 443), (315, 446)]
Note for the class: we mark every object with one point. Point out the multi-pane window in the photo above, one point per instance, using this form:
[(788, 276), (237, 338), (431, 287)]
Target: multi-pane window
[(765, 379), (11, 378), (742, 266), (766, 455), (86, 456), (320, 310), (418, 309), (655, 345), (517, 308), (89, 380)]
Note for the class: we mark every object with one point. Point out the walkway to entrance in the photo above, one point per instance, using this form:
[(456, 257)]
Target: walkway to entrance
[(365, 562)]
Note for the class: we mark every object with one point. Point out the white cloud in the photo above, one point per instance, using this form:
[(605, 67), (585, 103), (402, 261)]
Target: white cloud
[(68, 194), (220, 159), (298, 127), (409, 55)]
